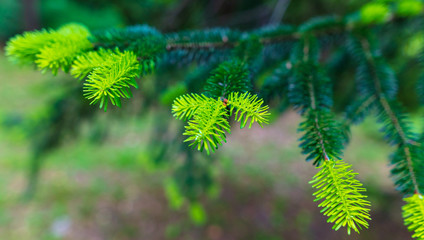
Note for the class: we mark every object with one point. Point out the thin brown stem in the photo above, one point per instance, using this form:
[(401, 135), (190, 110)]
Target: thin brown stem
[(313, 103), (340, 26)]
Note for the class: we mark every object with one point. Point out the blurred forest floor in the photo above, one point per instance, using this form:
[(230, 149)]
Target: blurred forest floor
[(110, 191)]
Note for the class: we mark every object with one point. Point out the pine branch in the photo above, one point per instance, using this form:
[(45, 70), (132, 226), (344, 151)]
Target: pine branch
[(149, 44), (50, 49), (70, 41), (356, 113), (185, 106), (249, 48), (322, 138), (404, 140), (229, 76), (144, 40), (309, 86), (24, 48), (87, 62), (208, 117), (318, 27), (208, 126), (311, 92), (114, 58), (323, 141), (112, 80), (343, 201), (374, 83), (413, 214), (276, 85), (247, 107)]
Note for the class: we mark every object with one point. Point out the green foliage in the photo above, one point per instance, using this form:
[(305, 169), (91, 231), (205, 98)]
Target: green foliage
[(377, 83), (197, 213), (322, 137), (420, 81), (309, 86), (247, 107), (146, 42), (109, 73), (199, 37), (111, 60), (202, 46), (229, 76), (343, 199), (50, 49), (276, 85), (375, 12), (356, 112), (185, 106), (175, 199), (170, 94), (55, 13), (249, 48), (409, 7), (208, 117), (9, 10), (193, 177), (310, 90), (406, 164), (359, 109), (24, 48), (374, 76), (87, 62), (112, 80), (208, 126), (321, 23), (414, 45), (413, 214)]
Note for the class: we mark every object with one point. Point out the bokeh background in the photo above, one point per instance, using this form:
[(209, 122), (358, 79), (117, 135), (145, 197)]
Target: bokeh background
[(69, 171)]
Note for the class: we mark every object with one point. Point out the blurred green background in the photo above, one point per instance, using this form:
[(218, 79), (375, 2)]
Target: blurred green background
[(99, 179)]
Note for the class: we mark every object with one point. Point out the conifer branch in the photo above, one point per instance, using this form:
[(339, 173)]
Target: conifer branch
[(356, 112), (208, 117), (413, 215), (318, 27), (185, 106), (322, 138), (87, 62), (311, 92), (313, 107), (111, 60), (343, 201), (340, 26), (208, 126), (404, 140), (50, 49), (247, 107), (112, 80), (229, 76), (277, 84), (358, 109)]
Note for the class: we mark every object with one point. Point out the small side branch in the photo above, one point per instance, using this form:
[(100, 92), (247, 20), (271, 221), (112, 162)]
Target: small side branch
[(380, 96)]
